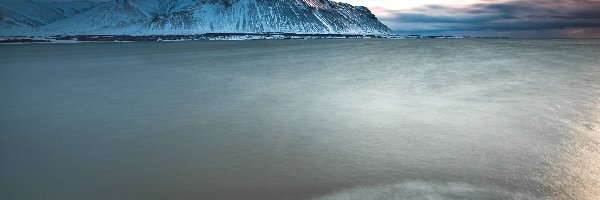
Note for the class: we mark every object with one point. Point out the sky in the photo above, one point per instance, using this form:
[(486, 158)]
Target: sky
[(511, 18)]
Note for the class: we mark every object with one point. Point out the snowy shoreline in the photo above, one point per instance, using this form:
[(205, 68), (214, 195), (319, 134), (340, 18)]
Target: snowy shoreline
[(207, 36), (149, 38)]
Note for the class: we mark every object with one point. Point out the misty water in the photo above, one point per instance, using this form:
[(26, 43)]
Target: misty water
[(301, 119)]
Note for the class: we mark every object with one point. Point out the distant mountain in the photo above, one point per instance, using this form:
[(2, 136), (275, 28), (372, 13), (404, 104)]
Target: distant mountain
[(154, 17)]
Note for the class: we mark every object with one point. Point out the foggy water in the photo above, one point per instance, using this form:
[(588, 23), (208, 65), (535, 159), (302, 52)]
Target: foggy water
[(302, 119)]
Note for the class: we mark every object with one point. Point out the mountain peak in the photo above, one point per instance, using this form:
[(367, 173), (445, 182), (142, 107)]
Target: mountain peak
[(156, 17)]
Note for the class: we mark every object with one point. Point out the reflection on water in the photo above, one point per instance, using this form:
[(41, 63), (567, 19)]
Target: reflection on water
[(425, 190), (314, 119), (575, 174)]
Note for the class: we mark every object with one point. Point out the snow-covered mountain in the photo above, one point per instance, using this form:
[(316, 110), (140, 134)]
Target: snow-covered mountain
[(153, 17), (25, 15)]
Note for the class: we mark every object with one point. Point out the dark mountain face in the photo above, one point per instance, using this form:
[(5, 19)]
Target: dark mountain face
[(15, 14), (140, 17)]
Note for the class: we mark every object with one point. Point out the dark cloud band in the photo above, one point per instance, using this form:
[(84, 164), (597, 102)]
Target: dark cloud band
[(500, 16)]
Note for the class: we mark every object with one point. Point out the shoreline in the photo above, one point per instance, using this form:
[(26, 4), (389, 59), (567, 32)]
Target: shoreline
[(207, 36)]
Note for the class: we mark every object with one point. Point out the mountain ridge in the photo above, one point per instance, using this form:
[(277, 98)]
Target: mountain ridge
[(156, 17)]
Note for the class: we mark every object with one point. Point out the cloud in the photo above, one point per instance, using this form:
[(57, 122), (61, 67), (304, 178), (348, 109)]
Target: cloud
[(515, 16)]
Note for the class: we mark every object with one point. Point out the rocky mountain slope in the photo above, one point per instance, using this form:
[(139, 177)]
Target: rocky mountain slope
[(152, 17)]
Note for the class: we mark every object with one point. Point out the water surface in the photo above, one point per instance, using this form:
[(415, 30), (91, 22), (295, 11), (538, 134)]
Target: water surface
[(301, 119)]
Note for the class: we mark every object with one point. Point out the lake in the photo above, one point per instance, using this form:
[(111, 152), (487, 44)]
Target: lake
[(301, 119)]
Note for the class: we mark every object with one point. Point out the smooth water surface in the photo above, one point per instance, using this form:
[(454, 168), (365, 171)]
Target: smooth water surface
[(301, 119)]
